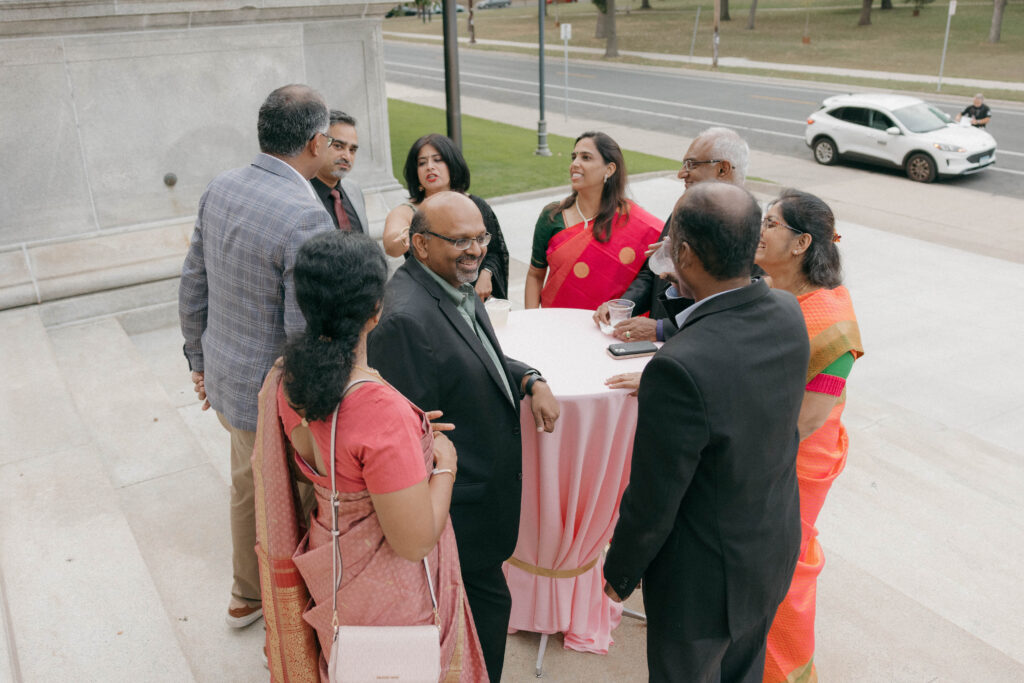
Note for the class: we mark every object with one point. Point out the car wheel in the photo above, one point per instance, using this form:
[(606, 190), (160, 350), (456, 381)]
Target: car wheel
[(921, 168), (825, 151)]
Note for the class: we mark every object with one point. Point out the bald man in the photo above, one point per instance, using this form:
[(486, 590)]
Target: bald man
[(710, 519), (435, 344)]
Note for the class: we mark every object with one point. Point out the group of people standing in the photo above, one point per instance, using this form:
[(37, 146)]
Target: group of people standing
[(298, 339)]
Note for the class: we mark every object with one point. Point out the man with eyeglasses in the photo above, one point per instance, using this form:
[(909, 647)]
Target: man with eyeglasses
[(435, 344), (341, 196), (236, 299), (717, 154)]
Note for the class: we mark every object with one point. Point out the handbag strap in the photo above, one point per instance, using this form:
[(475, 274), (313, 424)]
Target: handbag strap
[(336, 564)]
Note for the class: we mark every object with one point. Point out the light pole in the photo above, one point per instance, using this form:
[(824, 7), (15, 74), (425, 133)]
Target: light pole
[(451, 72), (542, 126)]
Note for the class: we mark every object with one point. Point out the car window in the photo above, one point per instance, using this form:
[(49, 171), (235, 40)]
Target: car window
[(919, 118), (880, 120), (857, 115)]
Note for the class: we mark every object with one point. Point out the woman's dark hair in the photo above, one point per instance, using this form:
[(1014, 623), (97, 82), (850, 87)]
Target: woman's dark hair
[(339, 284), (458, 170), (613, 195), (821, 264)]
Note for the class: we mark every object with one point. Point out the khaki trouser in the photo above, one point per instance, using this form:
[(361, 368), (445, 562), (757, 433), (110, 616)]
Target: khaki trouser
[(246, 586)]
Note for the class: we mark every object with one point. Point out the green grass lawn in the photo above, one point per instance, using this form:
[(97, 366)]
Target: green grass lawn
[(896, 40), (500, 156)]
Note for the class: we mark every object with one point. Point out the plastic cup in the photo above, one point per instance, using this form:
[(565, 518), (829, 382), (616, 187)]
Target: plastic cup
[(497, 311), (661, 260), (618, 310)]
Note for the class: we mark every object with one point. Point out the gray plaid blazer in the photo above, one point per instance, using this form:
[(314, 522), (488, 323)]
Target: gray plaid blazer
[(236, 301)]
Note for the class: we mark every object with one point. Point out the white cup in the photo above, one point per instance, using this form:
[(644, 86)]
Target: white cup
[(497, 311), (661, 260), (618, 310)]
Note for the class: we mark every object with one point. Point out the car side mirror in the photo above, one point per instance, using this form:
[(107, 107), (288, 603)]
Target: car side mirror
[(893, 130)]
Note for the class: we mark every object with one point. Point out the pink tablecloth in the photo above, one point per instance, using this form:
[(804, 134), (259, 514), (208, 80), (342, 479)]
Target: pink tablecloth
[(573, 478)]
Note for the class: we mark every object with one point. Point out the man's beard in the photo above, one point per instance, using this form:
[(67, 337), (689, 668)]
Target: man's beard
[(465, 277)]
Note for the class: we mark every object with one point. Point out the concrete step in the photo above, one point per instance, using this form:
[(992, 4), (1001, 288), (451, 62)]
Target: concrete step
[(79, 596)]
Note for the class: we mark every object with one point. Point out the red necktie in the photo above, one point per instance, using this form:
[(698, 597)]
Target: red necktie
[(339, 211)]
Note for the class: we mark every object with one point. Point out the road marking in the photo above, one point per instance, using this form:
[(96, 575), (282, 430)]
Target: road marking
[(646, 100), (784, 99), (630, 110), (1006, 151), (1005, 170)]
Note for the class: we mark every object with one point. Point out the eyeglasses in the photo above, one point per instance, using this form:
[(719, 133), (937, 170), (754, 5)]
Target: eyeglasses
[(463, 243), (770, 224), (691, 164), (339, 145), (330, 140)]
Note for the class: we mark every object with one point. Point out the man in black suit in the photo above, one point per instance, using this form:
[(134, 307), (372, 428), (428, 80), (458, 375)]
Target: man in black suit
[(435, 344), (710, 520), (717, 154)]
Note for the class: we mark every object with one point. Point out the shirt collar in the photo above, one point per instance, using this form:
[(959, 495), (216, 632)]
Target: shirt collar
[(458, 296)]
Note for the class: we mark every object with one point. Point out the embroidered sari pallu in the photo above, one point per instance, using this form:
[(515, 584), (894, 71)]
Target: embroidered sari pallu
[(584, 273), (833, 331)]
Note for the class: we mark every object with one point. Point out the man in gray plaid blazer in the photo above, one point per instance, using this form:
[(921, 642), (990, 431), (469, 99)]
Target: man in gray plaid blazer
[(237, 302)]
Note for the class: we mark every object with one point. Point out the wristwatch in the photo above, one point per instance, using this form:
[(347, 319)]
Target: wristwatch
[(534, 376)]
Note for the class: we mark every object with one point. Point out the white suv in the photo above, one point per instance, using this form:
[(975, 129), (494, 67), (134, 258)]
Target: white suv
[(898, 131)]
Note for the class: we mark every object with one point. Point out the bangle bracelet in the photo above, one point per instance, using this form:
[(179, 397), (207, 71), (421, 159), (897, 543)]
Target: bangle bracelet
[(443, 471)]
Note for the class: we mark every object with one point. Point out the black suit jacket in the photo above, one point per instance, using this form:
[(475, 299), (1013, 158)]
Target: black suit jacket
[(711, 517), (424, 347)]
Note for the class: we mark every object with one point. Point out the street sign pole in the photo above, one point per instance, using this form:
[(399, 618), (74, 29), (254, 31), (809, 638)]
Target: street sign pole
[(566, 37), (945, 43)]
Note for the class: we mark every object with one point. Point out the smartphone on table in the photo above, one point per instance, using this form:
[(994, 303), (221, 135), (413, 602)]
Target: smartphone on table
[(632, 349)]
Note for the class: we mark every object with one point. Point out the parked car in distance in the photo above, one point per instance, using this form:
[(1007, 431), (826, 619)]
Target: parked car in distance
[(897, 131), (490, 4), (401, 11), (436, 8)]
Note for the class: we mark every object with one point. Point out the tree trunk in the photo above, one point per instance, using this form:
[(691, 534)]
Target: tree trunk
[(724, 16), (646, 4), (612, 46), (750, 19), (602, 25), (472, 26), (865, 13), (886, 4), (997, 21)]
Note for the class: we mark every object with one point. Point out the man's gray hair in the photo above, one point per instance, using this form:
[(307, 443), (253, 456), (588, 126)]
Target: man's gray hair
[(979, 96), (289, 118), (338, 116), (729, 146)]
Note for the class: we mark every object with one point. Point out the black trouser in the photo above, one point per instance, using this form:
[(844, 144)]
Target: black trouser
[(491, 604), (708, 660)]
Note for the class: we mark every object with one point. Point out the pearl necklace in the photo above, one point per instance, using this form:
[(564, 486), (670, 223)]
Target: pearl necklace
[(585, 219)]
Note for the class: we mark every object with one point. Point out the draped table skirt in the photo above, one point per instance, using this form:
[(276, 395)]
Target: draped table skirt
[(573, 478)]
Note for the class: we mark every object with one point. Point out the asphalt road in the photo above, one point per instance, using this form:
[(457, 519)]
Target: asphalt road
[(771, 114)]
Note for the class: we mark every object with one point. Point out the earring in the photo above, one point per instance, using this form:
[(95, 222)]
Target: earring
[(421, 188)]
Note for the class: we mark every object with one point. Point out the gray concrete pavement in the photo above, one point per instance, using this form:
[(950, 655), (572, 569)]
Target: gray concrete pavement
[(114, 543)]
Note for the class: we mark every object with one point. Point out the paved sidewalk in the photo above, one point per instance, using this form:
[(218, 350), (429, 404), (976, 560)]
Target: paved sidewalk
[(735, 62), (114, 550)]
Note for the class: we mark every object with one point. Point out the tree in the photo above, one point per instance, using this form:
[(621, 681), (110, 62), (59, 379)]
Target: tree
[(611, 48), (886, 4), (724, 16), (918, 4), (645, 4), (997, 21), (601, 31), (750, 19), (865, 13)]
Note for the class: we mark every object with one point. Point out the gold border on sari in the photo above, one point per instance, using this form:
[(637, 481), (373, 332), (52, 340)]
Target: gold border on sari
[(551, 573), (831, 343)]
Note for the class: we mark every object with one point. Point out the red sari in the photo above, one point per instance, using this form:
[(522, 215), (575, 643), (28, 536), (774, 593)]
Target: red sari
[(832, 327), (585, 273)]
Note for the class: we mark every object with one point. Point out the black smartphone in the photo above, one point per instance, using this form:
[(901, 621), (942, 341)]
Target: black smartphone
[(632, 349)]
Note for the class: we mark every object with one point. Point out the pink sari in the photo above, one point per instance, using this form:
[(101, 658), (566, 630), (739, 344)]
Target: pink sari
[(585, 272), (378, 587)]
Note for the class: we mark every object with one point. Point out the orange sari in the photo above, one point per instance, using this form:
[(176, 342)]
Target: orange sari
[(585, 273), (833, 331)]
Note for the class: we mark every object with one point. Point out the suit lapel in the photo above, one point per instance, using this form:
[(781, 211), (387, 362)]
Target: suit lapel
[(455, 319)]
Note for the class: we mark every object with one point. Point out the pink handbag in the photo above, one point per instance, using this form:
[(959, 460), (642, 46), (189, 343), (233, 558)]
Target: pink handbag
[(374, 653)]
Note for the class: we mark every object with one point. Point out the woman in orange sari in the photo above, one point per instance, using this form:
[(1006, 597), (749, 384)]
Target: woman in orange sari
[(798, 251), (395, 472), (594, 240)]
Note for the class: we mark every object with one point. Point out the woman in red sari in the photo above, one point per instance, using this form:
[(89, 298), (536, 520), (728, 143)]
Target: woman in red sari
[(395, 473), (594, 240), (798, 251)]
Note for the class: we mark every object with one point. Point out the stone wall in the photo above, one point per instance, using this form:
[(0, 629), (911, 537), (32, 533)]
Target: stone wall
[(102, 100)]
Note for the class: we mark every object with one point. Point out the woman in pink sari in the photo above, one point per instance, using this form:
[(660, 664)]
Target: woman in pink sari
[(395, 472), (594, 240)]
